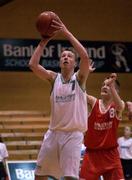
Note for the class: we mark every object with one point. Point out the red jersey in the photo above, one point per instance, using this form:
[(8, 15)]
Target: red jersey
[(102, 128)]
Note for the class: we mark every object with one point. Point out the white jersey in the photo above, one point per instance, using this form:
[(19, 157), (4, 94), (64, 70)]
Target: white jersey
[(3, 151), (68, 106), (125, 148)]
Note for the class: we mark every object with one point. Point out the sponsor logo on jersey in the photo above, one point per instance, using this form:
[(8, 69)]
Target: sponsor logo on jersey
[(67, 98)]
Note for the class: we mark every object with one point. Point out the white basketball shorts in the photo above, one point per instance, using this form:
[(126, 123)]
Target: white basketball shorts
[(60, 154)]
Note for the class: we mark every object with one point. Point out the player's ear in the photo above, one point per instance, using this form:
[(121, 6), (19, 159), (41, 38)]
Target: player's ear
[(75, 64)]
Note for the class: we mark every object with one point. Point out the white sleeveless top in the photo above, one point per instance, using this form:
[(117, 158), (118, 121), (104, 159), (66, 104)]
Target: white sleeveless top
[(3, 151), (125, 148), (68, 106)]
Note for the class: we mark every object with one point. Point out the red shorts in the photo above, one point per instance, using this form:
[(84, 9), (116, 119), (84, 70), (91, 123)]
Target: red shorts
[(101, 162)]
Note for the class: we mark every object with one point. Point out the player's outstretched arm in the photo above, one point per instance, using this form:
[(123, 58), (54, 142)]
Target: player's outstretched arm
[(34, 65), (120, 105), (84, 58), (129, 109)]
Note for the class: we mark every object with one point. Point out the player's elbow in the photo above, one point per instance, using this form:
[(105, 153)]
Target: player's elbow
[(121, 106), (31, 65)]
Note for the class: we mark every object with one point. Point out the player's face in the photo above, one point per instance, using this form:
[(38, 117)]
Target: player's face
[(127, 131), (105, 90), (67, 60)]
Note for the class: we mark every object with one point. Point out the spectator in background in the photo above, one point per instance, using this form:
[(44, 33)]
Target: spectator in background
[(125, 151), (3, 157), (129, 109)]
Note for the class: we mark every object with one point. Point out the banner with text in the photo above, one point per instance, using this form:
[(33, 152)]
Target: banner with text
[(107, 56), (21, 170)]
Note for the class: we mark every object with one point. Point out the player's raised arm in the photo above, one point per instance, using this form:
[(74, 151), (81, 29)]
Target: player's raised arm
[(114, 87), (43, 26), (84, 58), (34, 65)]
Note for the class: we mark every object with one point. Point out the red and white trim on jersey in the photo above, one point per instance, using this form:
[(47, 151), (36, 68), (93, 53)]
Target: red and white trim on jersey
[(102, 128)]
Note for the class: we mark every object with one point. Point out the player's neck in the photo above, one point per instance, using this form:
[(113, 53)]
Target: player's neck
[(66, 75), (106, 102), (126, 136)]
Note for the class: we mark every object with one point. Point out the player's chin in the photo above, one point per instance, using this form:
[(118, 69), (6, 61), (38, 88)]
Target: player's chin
[(66, 66)]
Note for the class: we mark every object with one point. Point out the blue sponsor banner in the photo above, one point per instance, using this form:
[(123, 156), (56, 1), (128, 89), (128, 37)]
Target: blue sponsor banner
[(21, 170), (107, 56)]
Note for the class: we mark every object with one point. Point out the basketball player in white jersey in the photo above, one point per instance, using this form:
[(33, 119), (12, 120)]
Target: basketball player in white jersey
[(60, 152)]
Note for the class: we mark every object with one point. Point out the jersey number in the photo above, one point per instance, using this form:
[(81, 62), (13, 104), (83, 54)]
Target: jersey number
[(112, 112)]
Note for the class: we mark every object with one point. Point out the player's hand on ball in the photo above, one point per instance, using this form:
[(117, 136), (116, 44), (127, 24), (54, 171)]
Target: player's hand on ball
[(59, 26)]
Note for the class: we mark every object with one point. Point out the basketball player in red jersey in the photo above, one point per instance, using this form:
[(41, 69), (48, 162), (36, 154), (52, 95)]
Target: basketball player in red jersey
[(102, 157)]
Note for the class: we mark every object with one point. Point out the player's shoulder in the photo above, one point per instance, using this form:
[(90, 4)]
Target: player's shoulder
[(91, 100), (2, 145)]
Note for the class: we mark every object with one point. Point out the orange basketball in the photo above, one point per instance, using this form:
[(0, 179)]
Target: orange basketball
[(43, 23)]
